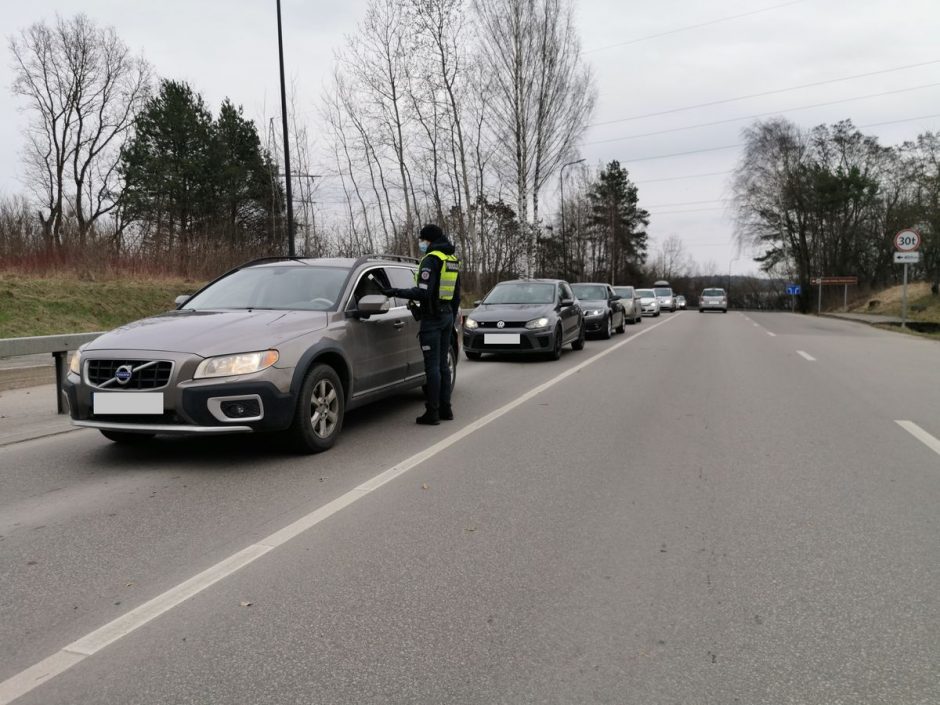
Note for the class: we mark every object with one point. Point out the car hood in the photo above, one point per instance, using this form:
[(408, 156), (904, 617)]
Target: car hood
[(593, 303), (497, 312), (208, 333)]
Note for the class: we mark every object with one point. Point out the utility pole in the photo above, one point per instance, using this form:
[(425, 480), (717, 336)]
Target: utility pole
[(290, 198), (564, 234)]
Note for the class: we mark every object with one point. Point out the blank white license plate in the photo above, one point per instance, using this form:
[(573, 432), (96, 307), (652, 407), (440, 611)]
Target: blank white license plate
[(128, 402), (501, 339)]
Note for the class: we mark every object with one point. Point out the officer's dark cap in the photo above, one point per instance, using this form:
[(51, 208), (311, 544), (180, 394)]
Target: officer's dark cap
[(431, 233)]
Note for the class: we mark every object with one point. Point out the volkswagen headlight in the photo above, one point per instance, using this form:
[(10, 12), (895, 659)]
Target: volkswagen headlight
[(536, 323), (470, 324), (594, 312), (231, 365)]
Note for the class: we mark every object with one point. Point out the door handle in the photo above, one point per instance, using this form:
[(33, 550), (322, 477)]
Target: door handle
[(399, 324)]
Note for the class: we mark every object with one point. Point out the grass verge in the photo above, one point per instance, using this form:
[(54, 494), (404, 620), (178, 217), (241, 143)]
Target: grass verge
[(50, 305)]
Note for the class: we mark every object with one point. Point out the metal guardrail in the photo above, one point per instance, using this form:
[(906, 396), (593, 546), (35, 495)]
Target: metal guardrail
[(58, 345)]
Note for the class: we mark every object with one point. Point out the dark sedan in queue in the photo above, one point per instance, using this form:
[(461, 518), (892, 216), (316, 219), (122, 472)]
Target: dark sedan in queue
[(525, 316), (602, 308)]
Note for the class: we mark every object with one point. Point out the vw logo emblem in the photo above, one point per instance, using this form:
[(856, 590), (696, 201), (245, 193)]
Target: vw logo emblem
[(123, 374), (501, 324)]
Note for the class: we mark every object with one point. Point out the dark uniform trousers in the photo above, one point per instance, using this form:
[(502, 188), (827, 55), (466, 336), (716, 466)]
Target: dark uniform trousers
[(434, 336)]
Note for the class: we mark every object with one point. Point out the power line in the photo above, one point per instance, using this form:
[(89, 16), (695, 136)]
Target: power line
[(765, 93), (693, 210), (735, 146), (694, 26), (760, 115), (682, 178)]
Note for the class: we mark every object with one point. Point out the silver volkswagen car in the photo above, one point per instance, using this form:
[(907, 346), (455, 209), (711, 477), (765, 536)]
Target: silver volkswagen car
[(713, 300), (278, 344)]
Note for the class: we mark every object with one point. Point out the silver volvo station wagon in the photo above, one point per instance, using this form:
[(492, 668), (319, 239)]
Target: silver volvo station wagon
[(277, 344)]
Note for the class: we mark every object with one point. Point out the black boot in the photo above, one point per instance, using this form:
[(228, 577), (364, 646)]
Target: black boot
[(447, 413), (429, 418)]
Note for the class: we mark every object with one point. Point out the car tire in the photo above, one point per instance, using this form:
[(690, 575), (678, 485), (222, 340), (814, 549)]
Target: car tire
[(656, 315), (452, 366), (127, 438), (557, 343), (472, 355), (609, 328), (579, 343), (622, 328), (318, 413)]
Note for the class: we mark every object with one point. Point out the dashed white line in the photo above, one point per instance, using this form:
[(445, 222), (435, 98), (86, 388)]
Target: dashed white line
[(806, 355), (772, 335), (921, 435), (76, 652)]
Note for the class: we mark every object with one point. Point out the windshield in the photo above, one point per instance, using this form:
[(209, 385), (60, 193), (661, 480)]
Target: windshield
[(713, 292), (589, 292), (663, 291), (288, 287), (624, 291), (521, 293), (645, 293)]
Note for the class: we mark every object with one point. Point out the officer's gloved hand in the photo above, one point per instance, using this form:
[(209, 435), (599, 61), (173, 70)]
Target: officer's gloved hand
[(386, 291)]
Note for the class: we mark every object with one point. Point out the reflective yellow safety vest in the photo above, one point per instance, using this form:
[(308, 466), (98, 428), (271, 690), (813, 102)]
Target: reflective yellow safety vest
[(450, 268)]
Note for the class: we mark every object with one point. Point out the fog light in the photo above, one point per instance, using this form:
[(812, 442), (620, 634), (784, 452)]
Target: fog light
[(240, 409)]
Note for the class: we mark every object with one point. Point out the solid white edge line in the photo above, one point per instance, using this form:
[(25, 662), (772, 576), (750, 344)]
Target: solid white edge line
[(61, 661), (806, 355), (921, 435)]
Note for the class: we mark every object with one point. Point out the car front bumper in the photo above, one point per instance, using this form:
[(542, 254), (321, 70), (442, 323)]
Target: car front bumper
[(189, 407), (530, 341)]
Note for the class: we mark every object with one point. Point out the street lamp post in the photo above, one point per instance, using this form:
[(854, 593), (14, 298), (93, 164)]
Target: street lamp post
[(729, 278), (564, 233), (290, 198)]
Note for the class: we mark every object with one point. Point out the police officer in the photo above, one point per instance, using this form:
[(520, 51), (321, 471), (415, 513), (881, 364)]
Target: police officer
[(437, 290)]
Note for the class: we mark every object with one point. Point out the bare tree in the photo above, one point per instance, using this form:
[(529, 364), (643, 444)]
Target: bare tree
[(83, 89), (543, 93)]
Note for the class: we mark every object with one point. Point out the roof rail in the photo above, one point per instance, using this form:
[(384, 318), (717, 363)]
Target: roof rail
[(393, 258), (261, 260)]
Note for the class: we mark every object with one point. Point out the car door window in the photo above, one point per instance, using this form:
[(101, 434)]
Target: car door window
[(370, 283), (401, 278)]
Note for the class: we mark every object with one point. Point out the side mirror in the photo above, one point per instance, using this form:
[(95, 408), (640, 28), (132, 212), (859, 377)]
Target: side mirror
[(371, 305), (565, 303), (478, 302), (182, 299), (615, 297)]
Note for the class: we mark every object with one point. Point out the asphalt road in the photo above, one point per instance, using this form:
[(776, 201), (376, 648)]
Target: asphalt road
[(717, 509)]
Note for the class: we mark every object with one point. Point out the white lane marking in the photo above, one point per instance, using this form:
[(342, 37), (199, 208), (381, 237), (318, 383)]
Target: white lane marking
[(806, 355), (61, 661), (772, 335), (921, 435)]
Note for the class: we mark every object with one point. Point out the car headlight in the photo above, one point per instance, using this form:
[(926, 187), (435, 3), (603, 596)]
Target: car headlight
[(75, 363), (470, 324), (594, 312), (231, 365), (537, 323)]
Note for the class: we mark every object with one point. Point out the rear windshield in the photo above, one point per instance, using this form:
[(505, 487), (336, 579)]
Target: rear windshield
[(713, 292), (589, 292), (521, 293), (663, 291)]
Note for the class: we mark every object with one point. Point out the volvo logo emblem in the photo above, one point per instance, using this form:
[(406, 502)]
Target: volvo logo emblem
[(501, 324), (123, 374)]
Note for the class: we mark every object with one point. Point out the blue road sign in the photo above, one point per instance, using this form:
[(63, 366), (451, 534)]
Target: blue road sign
[(793, 289)]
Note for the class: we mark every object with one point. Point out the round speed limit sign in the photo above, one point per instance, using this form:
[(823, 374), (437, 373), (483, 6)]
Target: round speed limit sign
[(907, 241)]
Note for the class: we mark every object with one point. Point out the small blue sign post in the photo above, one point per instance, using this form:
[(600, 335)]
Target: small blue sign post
[(793, 290)]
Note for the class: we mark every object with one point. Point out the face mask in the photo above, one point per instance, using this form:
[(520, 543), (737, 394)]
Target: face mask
[(423, 245)]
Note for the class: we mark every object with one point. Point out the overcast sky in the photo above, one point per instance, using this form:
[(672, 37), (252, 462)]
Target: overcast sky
[(645, 61)]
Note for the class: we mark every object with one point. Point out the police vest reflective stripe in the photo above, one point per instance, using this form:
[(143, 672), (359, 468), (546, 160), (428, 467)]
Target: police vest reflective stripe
[(450, 268)]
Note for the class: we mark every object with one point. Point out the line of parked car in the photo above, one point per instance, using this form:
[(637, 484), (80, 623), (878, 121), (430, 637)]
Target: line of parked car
[(288, 345)]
